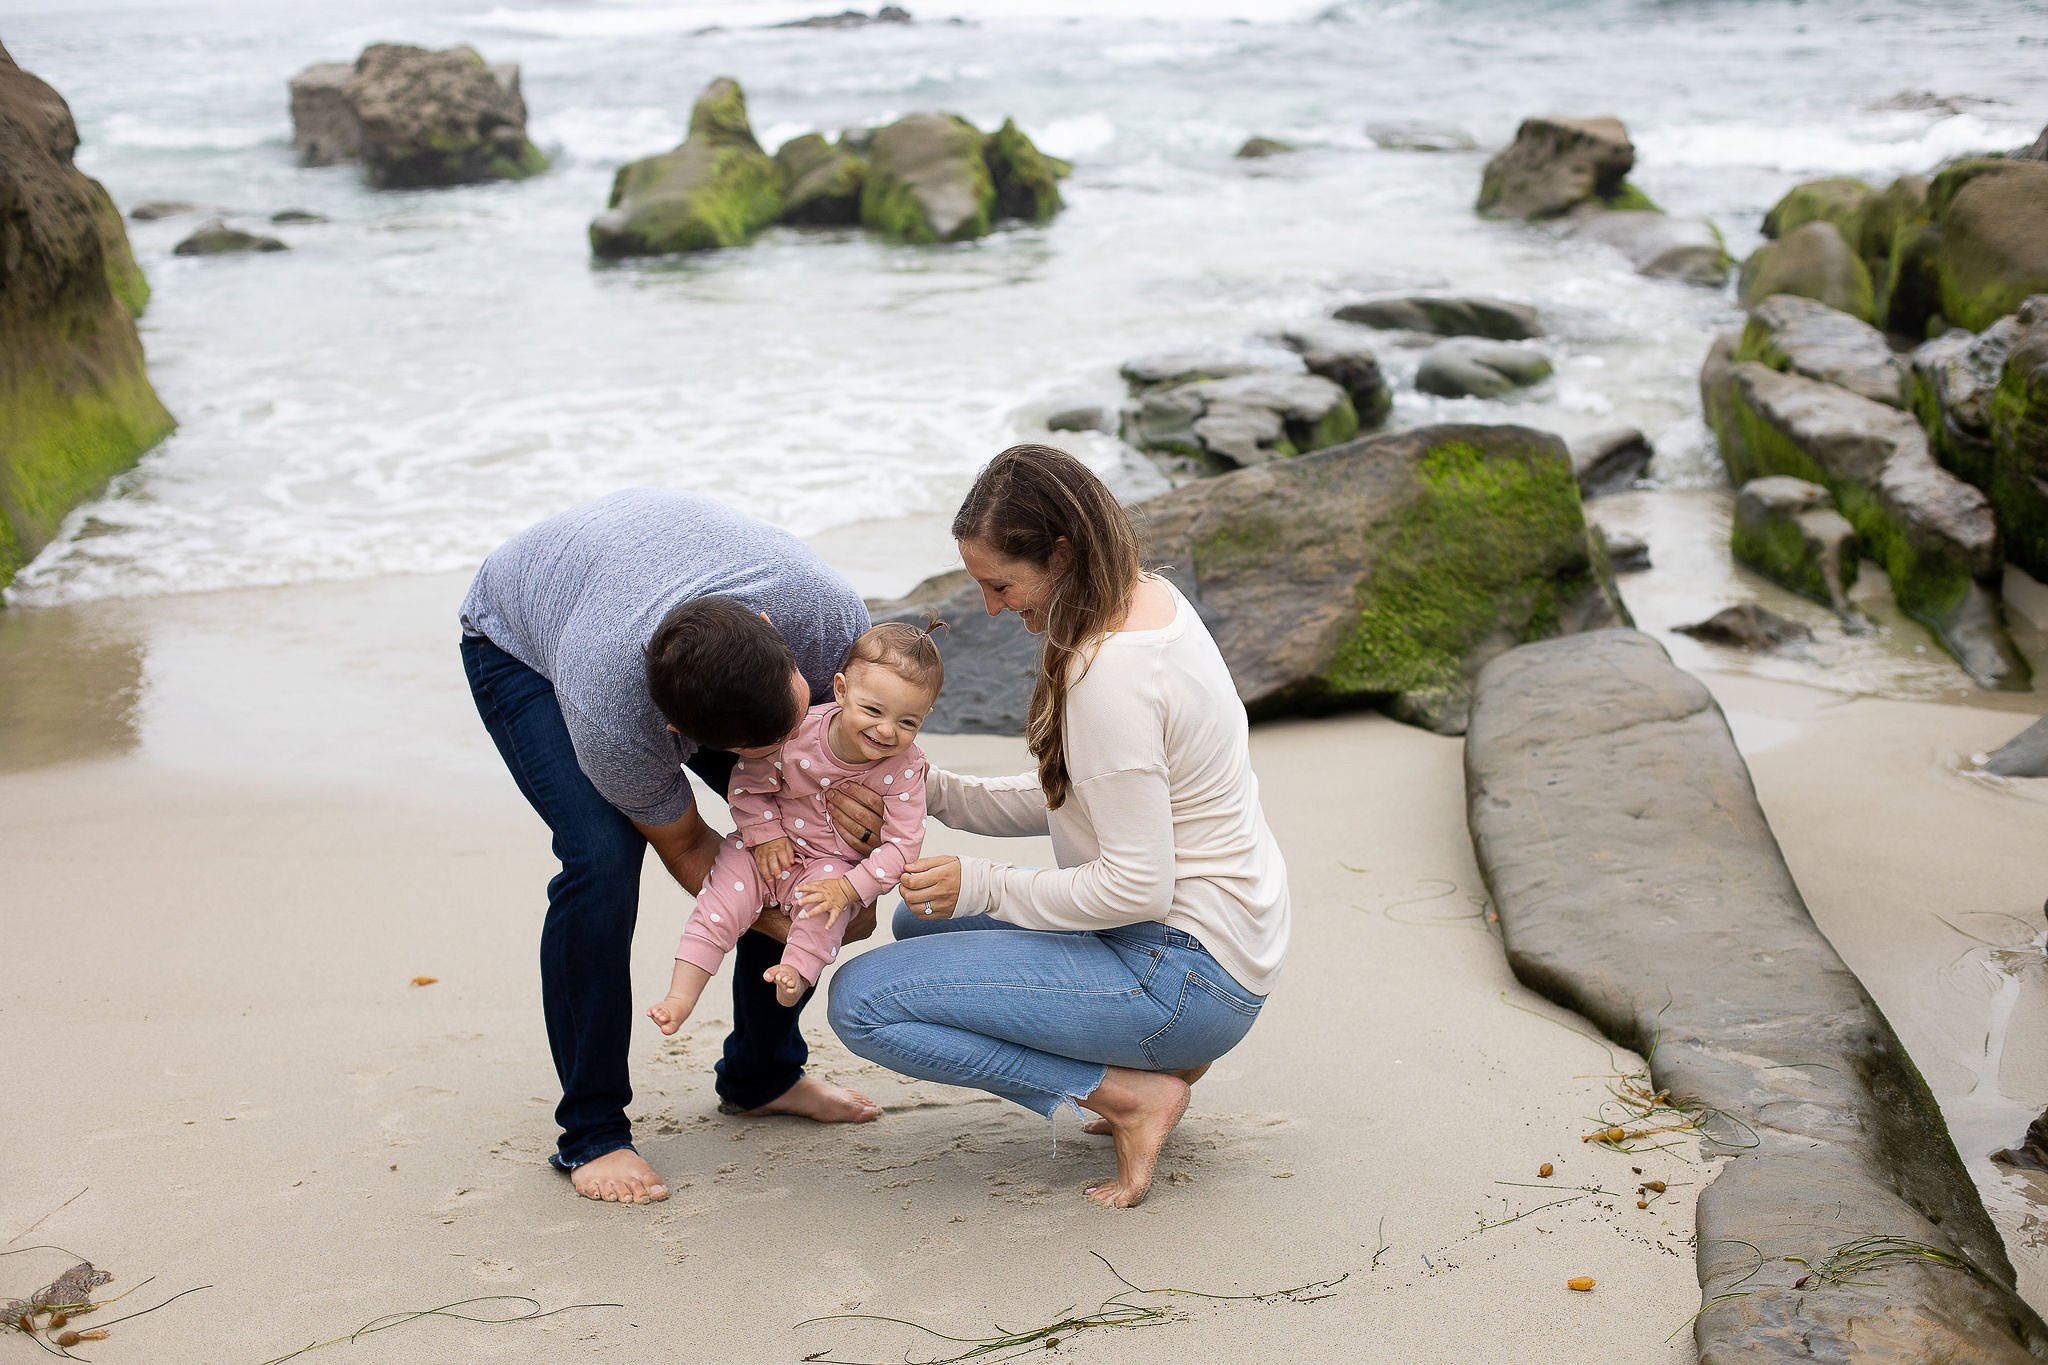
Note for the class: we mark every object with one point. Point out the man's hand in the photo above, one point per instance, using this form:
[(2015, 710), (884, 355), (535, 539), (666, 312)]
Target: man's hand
[(831, 897), (857, 814), (686, 848), (774, 922), (774, 858), (931, 887)]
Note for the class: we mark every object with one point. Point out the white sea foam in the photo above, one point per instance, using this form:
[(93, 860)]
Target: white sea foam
[(1890, 144), (153, 134), (592, 133), (1078, 135)]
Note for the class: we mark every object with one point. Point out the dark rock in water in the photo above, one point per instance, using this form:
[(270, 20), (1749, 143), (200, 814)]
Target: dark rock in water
[(1243, 420), (1805, 336), (218, 239), (76, 406), (716, 190), (1933, 533), (1748, 626), (1556, 164), (1495, 319), (1610, 461), (1638, 883), (1788, 530), (1625, 553), (415, 118), (161, 208), (1656, 244), (1383, 572), (1027, 181), (1350, 364), (1081, 419), (325, 129), (2032, 1152), (1814, 262), (1169, 369), (821, 183), (852, 18), (1258, 147), (1420, 137), (928, 181), (1466, 367), (2024, 755), (297, 216)]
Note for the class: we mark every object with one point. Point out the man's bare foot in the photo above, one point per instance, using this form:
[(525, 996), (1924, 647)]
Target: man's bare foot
[(1100, 1127), (789, 984), (1141, 1109), (619, 1177), (811, 1098)]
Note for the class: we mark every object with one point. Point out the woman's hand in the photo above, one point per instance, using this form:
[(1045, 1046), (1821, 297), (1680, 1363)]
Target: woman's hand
[(857, 814), (931, 887)]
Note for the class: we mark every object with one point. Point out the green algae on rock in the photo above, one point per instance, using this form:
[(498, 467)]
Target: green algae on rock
[(1813, 261), (716, 190), (1788, 530), (1993, 252), (76, 405), (1840, 200), (1027, 181), (929, 181), (1984, 401), (821, 182)]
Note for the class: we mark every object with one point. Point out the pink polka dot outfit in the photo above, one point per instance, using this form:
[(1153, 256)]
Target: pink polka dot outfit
[(783, 797)]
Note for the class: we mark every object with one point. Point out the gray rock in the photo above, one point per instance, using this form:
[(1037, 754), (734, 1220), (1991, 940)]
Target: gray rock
[(2024, 755), (1171, 368), (852, 18), (1933, 533), (422, 118), (1257, 148), (1467, 367), (161, 208), (1496, 319), (1956, 374), (1638, 883), (1420, 137), (1748, 626), (1984, 398), (300, 216), (1625, 553), (928, 180), (1610, 461), (1081, 419), (1805, 336), (1556, 164), (1656, 244), (716, 190), (325, 129), (1242, 420), (218, 239), (1375, 573), (1349, 363), (2038, 151), (821, 183), (1788, 530), (1814, 261)]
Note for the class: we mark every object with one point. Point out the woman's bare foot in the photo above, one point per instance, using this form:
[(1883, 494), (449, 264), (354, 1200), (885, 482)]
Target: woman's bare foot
[(820, 1102), (684, 990), (1100, 1127), (619, 1177), (789, 984), (1141, 1109)]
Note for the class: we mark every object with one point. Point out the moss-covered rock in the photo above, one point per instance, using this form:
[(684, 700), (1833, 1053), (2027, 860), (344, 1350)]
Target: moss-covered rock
[(2019, 436), (716, 190), (1812, 261), (76, 406), (1993, 252), (428, 118), (1805, 336), (124, 274), (1788, 530), (1556, 164), (1027, 181), (928, 181), (1258, 148), (820, 182), (1839, 200), (216, 238)]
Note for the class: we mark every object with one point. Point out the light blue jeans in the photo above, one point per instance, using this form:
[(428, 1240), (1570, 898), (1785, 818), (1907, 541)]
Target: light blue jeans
[(1032, 1016)]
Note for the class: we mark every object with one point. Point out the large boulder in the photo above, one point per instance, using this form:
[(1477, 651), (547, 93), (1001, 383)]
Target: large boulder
[(421, 118), (1840, 200), (718, 189), (1242, 420), (1788, 530), (1439, 315), (1933, 533), (76, 405), (1382, 572), (1983, 398), (1556, 164), (1656, 244), (821, 182), (1638, 883), (1466, 367), (1993, 251), (1027, 181), (1815, 262), (1805, 336), (325, 129), (928, 181)]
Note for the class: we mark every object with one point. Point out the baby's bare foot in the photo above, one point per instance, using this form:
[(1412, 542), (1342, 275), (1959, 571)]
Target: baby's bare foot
[(789, 984), (619, 1177), (668, 1014)]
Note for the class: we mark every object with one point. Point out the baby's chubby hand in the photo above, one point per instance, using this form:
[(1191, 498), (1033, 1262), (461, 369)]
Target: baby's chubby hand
[(773, 859), (831, 898)]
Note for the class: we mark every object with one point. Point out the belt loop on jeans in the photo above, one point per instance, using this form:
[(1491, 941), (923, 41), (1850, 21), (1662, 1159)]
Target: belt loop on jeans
[(1182, 938)]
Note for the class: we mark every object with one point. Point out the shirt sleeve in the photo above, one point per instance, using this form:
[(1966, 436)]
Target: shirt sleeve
[(1004, 807), (902, 833), (642, 782), (751, 793)]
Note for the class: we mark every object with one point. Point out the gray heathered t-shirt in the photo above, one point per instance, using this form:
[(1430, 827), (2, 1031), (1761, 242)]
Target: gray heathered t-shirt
[(577, 597)]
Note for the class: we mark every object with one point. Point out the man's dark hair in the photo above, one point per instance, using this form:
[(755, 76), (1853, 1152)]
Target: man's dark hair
[(721, 675)]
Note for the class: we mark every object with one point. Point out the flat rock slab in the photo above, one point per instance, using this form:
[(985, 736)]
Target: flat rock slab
[(1806, 337), (2024, 755), (1638, 883), (1448, 316)]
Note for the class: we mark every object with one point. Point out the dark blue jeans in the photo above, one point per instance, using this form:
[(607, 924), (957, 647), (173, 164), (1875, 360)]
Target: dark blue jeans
[(586, 941)]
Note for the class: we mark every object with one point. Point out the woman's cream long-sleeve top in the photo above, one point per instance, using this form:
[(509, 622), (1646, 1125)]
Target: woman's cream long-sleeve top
[(1162, 822)]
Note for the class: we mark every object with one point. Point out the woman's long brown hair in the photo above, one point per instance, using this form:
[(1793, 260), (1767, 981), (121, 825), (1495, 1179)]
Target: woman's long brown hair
[(1022, 505)]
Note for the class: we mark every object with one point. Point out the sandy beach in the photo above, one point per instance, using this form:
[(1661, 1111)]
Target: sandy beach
[(262, 814)]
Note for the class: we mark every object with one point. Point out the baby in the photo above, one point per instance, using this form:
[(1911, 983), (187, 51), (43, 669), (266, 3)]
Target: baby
[(786, 839)]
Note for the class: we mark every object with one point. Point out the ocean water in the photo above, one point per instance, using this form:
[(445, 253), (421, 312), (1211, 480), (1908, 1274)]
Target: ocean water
[(429, 371)]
